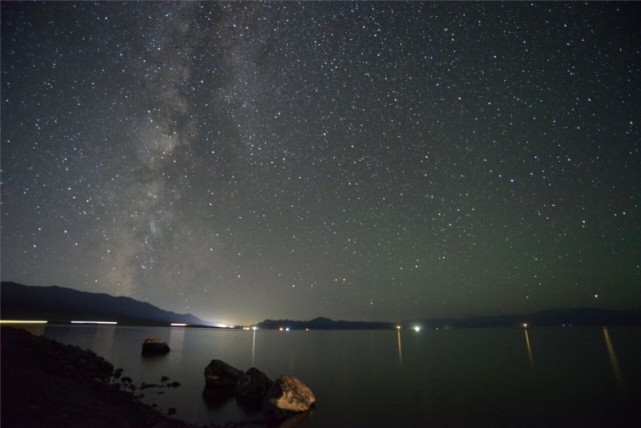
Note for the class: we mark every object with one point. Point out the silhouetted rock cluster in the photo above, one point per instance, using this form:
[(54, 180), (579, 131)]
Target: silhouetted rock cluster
[(51, 385), (280, 398)]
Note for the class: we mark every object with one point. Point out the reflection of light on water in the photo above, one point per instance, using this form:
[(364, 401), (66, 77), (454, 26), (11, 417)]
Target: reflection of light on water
[(400, 347), (176, 341), (614, 361), (529, 348), (103, 339), (253, 345)]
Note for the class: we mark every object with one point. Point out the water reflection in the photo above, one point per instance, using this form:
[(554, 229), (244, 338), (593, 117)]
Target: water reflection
[(400, 346), (176, 340), (614, 361), (529, 348), (253, 346), (103, 338), (216, 398)]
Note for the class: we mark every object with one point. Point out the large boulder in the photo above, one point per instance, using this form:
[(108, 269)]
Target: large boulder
[(219, 373), (252, 385), (154, 346), (289, 395)]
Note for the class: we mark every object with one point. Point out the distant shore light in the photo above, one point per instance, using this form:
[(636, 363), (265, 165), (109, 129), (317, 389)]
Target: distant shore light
[(23, 322), (178, 324), (417, 328), (95, 322)]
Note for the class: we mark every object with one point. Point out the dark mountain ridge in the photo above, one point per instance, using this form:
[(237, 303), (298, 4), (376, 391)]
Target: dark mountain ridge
[(54, 303), (549, 318), (322, 323), (560, 317)]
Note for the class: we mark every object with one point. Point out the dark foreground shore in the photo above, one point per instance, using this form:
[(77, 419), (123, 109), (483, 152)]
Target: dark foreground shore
[(48, 384)]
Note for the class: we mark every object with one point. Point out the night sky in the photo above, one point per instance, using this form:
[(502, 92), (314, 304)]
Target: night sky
[(363, 161)]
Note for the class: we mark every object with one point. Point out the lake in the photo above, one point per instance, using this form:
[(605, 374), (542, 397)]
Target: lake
[(450, 378)]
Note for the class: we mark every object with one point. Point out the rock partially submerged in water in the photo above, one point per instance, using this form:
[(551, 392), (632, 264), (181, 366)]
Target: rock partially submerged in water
[(281, 399), (252, 385), (289, 395), (154, 346), (219, 373)]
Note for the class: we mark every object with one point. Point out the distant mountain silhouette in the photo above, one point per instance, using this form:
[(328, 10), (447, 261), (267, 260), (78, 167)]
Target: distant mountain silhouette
[(55, 303), (551, 318), (62, 304), (321, 323)]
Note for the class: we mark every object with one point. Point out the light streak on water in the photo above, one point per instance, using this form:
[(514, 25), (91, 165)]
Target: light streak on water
[(400, 346), (614, 361), (529, 348)]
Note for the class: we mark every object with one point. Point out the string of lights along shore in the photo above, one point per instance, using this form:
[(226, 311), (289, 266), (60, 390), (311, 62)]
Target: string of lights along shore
[(376, 161)]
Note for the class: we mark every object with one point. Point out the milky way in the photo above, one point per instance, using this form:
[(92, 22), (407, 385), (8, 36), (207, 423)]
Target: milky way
[(379, 161)]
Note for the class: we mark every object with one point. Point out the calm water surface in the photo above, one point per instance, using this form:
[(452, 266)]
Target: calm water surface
[(452, 378)]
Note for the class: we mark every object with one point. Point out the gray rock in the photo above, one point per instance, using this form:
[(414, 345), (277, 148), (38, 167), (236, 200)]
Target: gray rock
[(289, 394), (252, 385), (219, 373), (154, 346)]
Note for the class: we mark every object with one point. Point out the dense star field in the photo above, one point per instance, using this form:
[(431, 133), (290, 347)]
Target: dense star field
[(378, 161)]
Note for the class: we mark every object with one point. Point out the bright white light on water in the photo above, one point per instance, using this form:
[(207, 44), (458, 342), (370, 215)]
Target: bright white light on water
[(524, 325), (95, 322), (254, 328), (178, 324), (417, 328)]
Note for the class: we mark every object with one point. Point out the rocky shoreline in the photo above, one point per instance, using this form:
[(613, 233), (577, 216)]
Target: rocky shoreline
[(47, 384)]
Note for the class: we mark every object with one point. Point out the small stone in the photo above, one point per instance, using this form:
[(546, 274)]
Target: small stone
[(148, 385)]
